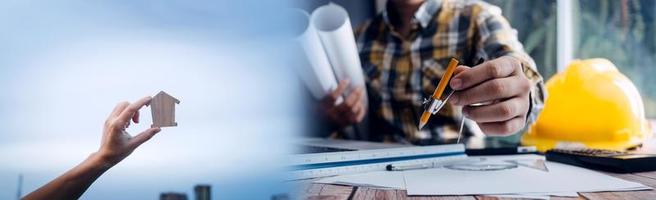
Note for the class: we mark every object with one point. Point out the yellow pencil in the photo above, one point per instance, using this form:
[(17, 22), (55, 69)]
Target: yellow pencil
[(441, 86)]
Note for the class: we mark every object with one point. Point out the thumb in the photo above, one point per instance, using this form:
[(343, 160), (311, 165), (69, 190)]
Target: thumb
[(136, 141)]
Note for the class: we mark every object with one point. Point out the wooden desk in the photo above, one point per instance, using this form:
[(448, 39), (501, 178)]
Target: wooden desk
[(316, 191)]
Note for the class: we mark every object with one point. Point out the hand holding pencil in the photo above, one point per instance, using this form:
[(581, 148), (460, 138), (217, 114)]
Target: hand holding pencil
[(494, 94)]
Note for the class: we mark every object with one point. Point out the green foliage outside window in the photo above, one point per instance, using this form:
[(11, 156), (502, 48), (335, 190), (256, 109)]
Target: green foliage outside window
[(535, 22), (623, 32)]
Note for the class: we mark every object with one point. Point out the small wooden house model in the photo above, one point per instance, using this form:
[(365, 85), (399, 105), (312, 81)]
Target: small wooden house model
[(162, 107)]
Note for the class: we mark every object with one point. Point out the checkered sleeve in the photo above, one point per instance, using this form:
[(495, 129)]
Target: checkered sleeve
[(498, 38)]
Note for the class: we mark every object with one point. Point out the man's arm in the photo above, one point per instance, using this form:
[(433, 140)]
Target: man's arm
[(116, 145), (508, 84), (73, 183), (499, 39)]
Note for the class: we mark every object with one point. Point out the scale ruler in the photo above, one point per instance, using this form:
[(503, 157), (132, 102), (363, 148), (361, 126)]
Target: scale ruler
[(314, 165)]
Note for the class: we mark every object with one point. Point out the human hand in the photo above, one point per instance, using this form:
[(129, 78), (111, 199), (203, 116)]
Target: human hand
[(117, 143), (503, 90), (351, 111)]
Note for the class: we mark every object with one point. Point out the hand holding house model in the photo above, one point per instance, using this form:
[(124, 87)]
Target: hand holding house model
[(162, 107)]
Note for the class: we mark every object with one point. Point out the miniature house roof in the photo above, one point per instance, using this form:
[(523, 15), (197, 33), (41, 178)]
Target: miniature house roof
[(163, 94)]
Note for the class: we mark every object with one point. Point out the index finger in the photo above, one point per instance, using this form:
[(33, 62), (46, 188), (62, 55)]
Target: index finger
[(460, 68), (333, 96), (129, 111), (119, 107), (483, 72), (351, 100)]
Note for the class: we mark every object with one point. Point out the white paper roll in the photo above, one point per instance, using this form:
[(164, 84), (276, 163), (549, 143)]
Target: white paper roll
[(315, 69), (334, 28)]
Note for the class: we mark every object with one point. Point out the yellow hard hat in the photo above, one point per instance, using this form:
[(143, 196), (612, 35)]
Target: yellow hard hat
[(593, 104)]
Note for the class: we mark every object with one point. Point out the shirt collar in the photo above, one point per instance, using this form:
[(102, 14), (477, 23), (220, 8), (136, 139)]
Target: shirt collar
[(424, 14)]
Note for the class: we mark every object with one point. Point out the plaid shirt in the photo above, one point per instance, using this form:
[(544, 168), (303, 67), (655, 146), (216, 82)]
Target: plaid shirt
[(401, 71)]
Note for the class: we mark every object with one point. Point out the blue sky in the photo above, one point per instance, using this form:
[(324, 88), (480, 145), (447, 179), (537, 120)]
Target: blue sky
[(64, 65)]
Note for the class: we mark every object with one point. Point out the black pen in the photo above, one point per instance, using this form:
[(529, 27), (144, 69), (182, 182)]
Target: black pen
[(392, 167), (502, 151)]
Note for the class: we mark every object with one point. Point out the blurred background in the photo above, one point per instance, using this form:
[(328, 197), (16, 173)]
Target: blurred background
[(620, 30), (64, 65), (554, 32)]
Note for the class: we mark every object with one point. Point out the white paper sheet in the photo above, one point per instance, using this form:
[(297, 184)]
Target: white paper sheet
[(379, 179), (523, 196), (334, 28), (314, 68), (560, 178), (544, 196)]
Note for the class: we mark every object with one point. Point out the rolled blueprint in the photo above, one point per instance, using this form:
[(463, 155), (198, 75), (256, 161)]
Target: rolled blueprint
[(334, 28), (314, 68)]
